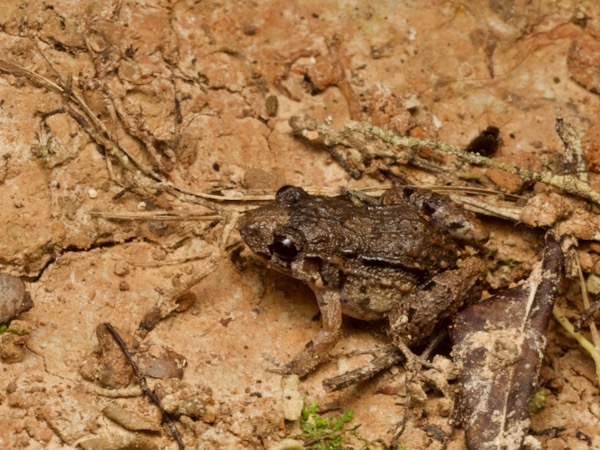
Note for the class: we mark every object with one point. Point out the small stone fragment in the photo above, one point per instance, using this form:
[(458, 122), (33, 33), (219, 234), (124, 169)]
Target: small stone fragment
[(582, 62), (119, 443), (292, 399), (289, 444), (14, 299), (167, 364), (593, 284), (261, 179), (181, 398), (543, 210), (129, 419), (249, 30), (12, 347), (272, 105), (109, 367), (121, 268), (185, 301), (507, 181), (596, 268)]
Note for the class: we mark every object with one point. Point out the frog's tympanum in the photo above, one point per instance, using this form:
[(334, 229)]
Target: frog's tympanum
[(397, 257)]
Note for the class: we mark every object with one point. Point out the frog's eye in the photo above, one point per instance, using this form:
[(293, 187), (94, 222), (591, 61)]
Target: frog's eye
[(284, 248), (290, 195)]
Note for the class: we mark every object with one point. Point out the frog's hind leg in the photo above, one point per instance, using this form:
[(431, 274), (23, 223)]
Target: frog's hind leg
[(415, 317), (444, 214)]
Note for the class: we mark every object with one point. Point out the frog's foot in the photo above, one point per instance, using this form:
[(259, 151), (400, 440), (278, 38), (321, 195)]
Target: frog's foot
[(303, 364), (278, 366), (312, 355)]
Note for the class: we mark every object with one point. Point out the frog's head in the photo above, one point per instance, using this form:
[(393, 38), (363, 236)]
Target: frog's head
[(270, 234)]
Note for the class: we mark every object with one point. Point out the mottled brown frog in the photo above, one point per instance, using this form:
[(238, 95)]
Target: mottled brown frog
[(370, 258)]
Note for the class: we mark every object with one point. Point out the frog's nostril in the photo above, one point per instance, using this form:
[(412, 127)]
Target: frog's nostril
[(453, 226), (431, 206)]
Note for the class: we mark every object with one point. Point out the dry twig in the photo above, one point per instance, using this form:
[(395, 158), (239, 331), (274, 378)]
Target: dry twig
[(142, 381), (593, 347), (572, 183)]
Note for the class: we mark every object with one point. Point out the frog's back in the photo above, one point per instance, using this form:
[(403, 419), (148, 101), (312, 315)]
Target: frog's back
[(390, 235), (399, 235)]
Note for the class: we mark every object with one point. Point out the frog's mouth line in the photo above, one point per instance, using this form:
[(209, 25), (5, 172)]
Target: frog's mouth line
[(279, 266), (306, 269)]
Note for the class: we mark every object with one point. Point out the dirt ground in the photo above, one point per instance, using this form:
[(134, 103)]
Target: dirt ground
[(198, 95)]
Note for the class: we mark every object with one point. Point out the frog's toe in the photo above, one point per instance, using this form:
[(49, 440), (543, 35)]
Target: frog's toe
[(276, 366), (281, 369), (413, 361)]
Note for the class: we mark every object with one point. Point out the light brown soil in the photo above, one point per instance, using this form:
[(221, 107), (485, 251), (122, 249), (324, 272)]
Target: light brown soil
[(142, 63)]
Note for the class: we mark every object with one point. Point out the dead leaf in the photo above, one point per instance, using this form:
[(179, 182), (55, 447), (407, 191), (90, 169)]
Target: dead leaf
[(500, 344)]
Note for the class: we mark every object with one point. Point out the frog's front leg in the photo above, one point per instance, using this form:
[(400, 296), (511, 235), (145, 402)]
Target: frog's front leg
[(317, 350), (414, 318)]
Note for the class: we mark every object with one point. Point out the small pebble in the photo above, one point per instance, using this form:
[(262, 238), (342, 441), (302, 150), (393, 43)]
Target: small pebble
[(14, 299), (129, 419), (292, 398), (272, 105), (92, 193), (586, 261), (12, 347), (121, 268), (593, 284), (597, 268)]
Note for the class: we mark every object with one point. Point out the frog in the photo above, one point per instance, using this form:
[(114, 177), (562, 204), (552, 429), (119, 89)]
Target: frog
[(401, 257)]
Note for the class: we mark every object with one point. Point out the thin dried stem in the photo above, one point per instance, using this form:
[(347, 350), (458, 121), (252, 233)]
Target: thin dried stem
[(101, 135), (144, 385), (575, 184), (586, 303), (580, 338), (574, 158), (156, 215)]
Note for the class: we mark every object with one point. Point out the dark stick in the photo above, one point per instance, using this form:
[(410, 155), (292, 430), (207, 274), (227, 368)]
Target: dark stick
[(389, 356), (142, 381), (588, 313)]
